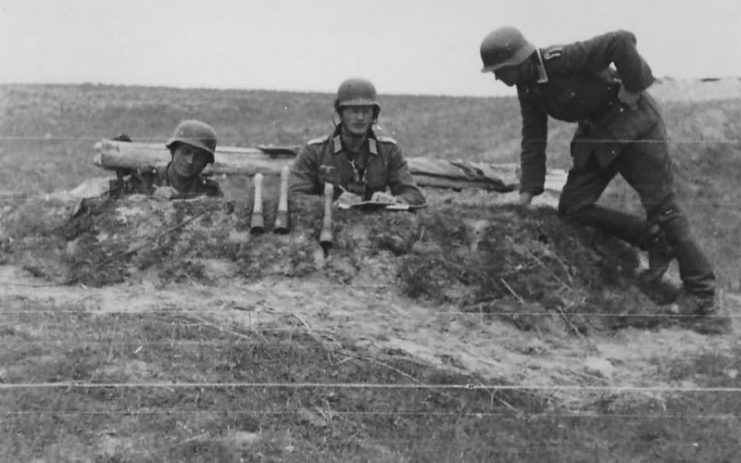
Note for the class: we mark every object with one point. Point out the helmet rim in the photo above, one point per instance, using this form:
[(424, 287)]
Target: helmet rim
[(357, 91), (503, 47), (518, 58), (203, 137)]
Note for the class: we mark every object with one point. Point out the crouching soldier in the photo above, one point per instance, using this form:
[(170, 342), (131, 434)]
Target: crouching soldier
[(192, 147), (361, 164), (601, 84)]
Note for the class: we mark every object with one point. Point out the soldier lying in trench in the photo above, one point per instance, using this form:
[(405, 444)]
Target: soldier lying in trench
[(192, 147)]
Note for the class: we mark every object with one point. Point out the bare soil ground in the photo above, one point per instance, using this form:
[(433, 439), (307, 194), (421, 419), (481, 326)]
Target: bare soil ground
[(295, 370), (146, 330)]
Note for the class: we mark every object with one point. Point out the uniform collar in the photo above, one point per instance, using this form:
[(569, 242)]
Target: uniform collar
[(337, 141), (542, 75), (372, 145), (337, 144)]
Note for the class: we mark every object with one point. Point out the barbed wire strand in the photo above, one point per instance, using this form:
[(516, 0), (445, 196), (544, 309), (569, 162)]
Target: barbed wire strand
[(278, 312), (311, 385), (482, 414), (163, 141)]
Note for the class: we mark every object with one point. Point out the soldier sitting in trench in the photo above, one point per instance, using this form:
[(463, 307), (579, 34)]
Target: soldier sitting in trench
[(192, 147), (361, 164)]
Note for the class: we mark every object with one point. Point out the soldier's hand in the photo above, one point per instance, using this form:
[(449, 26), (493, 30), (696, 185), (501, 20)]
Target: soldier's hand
[(627, 98), (383, 197), (525, 199), (348, 198)]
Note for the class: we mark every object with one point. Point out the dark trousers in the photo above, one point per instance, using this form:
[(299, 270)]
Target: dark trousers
[(646, 166)]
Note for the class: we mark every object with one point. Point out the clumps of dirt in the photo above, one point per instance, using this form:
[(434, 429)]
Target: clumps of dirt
[(527, 267), (31, 234), (138, 237), (103, 241)]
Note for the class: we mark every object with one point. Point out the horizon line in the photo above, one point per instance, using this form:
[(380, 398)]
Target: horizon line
[(493, 94)]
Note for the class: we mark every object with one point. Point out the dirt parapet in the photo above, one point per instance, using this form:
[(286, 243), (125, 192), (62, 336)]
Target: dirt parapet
[(525, 266)]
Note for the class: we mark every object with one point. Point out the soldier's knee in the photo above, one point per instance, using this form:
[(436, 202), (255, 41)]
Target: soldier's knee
[(674, 224), (664, 211), (671, 220)]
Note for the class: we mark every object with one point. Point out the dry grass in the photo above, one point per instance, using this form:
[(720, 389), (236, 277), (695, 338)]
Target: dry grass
[(523, 261), (312, 423)]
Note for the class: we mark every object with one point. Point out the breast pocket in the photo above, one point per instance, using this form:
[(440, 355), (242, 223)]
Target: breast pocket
[(377, 176), (580, 96), (566, 104)]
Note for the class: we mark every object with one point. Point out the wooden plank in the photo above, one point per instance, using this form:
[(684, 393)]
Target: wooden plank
[(231, 160), (228, 160)]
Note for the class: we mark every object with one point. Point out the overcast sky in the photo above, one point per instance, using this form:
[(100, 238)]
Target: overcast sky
[(403, 46)]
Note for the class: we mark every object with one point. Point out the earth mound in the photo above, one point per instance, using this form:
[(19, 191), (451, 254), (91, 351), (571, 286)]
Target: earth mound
[(522, 265)]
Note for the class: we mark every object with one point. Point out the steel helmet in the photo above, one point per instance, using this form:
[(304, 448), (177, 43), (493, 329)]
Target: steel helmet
[(357, 92), (505, 46), (197, 134)]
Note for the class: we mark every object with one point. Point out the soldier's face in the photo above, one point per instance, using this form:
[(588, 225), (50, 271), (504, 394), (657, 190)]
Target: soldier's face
[(509, 75), (188, 161), (357, 120)]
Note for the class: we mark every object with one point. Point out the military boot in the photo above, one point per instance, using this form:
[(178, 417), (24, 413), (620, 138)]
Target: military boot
[(703, 314), (660, 255)]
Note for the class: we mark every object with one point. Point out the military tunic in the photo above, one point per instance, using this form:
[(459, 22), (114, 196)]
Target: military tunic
[(580, 83), (378, 165)]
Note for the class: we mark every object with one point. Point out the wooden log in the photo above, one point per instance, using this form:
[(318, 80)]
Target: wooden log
[(230, 160)]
